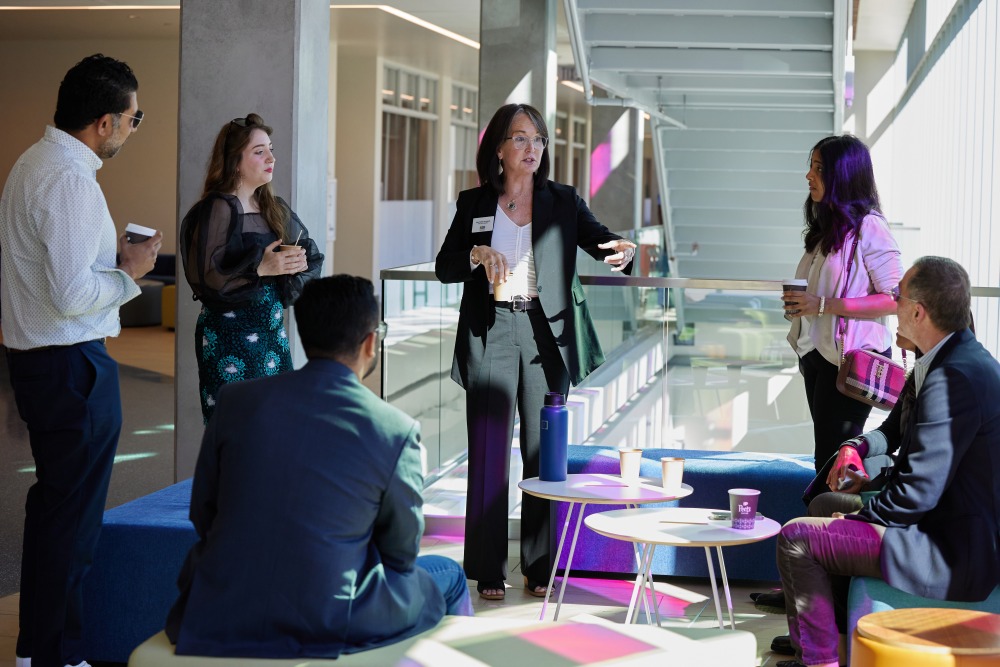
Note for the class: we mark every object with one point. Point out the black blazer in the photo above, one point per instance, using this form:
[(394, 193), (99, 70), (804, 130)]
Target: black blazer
[(941, 501), (561, 223)]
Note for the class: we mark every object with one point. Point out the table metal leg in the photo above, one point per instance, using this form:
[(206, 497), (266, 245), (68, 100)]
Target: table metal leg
[(725, 587), (569, 562), (650, 585), (555, 565), (715, 590), (640, 585)]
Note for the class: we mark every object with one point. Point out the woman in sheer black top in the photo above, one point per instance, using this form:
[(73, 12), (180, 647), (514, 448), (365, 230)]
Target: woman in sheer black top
[(234, 260)]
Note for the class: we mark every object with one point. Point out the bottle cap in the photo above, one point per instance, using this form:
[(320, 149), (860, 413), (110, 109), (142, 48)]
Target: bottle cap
[(554, 399)]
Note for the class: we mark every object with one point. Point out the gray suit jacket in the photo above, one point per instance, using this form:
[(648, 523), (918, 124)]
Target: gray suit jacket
[(307, 501), (561, 224), (941, 501)]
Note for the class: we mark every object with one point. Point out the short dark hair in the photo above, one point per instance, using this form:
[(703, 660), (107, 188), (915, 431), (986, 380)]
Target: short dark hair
[(942, 286), (335, 314), (95, 86), (487, 162)]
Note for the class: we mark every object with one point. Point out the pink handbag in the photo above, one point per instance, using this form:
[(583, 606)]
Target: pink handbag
[(864, 375)]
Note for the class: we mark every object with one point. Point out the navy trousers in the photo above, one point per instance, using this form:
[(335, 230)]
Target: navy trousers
[(521, 364), (69, 398)]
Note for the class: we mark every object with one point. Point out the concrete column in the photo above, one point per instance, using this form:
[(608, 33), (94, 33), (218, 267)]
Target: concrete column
[(616, 166), (517, 56), (237, 57)]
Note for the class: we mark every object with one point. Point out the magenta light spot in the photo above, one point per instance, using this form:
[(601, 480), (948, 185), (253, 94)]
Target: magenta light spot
[(586, 643), (600, 166)]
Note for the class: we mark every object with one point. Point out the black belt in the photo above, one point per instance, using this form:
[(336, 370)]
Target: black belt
[(518, 304), (11, 350)]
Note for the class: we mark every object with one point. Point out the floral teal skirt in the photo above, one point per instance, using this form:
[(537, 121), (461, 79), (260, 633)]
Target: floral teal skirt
[(240, 343)]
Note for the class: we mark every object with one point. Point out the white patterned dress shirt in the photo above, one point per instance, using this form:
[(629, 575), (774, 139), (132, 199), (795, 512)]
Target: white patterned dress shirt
[(58, 281)]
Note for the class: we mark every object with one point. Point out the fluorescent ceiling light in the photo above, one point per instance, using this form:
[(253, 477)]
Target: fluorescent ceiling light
[(416, 21), (572, 84)]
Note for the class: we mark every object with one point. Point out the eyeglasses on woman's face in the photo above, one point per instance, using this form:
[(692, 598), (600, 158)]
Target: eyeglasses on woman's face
[(135, 120), (538, 142)]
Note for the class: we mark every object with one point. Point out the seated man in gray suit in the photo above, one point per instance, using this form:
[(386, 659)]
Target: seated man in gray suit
[(307, 502), (934, 528)]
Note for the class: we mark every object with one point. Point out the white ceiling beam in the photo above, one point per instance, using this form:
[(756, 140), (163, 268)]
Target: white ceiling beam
[(677, 101), (710, 61), (750, 32), (709, 83), (753, 119), (775, 8), (738, 161), (730, 199), (772, 141)]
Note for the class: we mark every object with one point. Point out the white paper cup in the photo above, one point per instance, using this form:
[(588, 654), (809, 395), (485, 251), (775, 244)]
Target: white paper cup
[(630, 460), (503, 291), (673, 472), (137, 233)]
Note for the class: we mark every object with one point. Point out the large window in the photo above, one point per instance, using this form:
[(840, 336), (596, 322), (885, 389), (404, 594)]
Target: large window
[(409, 113), (558, 150), (464, 139)]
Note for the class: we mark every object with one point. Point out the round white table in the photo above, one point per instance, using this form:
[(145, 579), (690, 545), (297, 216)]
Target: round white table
[(585, 489), (679, 527)]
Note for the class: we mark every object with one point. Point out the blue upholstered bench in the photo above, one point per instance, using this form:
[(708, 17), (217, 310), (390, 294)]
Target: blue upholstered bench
[(133, 581), (869, 595), (780, 478)]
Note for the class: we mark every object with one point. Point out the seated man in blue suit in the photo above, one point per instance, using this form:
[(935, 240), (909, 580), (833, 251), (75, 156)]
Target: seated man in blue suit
[(307, 502), (934, 528)]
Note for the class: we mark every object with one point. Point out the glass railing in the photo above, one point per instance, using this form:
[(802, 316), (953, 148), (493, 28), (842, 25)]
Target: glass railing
[(725, 380)]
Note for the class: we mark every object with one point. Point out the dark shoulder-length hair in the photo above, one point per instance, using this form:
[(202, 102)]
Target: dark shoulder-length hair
[(849, 193), (498, 130), (223, 170)]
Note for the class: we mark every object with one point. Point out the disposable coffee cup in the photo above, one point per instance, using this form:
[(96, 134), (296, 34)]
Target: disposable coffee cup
[(137, 233), (793, 285), (630, 460), (673, 472), (503, 291), (743, 507), (283, 247)]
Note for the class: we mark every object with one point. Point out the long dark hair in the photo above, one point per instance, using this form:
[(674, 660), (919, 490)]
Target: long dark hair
[(223, 169), (849, 193), (487, 162)]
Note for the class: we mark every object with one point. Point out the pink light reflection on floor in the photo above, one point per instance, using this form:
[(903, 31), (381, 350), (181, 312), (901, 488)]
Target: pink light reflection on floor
[(619, 591), (585, 643)]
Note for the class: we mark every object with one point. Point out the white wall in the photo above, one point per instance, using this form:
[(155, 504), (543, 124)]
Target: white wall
[(937, 159), (139, 183)]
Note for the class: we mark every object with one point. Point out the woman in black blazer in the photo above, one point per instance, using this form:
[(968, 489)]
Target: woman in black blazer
[(517, 233)]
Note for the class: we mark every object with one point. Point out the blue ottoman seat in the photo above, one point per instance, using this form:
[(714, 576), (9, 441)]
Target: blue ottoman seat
[(779, 477), (133, 580)]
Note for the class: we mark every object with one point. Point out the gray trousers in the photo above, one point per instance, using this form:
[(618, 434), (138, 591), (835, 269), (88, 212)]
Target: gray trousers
[(816, 558)]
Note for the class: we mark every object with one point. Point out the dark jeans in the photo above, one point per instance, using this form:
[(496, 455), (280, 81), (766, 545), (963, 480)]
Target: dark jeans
[(836, 417), (521, 363), (816, 557), (450, 579), (69, 399)]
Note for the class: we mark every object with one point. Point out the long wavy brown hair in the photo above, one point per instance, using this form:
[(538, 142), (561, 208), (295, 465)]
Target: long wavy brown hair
[(224, 170)]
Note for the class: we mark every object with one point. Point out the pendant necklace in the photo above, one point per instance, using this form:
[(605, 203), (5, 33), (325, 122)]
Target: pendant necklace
[(511, 205)]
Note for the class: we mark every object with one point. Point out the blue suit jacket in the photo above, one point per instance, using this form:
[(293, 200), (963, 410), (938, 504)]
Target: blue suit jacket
[(561, 224), (307, 502), (941, 501)]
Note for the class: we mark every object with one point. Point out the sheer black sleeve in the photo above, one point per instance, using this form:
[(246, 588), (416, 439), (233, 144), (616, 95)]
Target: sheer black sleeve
[(291, 286)]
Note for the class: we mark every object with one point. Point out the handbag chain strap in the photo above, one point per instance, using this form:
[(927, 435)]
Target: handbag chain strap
[(843, 294)]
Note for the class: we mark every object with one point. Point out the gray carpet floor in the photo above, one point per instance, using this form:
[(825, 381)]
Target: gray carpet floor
[(144, 462)]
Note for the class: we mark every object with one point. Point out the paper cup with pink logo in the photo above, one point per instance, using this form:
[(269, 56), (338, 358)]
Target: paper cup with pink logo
[(743, 506)]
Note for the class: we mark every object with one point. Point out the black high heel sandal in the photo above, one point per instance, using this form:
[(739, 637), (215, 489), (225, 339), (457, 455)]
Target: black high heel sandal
[(496, 585)]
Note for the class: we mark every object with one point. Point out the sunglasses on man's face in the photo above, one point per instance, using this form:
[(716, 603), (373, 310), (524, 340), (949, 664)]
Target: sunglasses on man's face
[(135, 120)]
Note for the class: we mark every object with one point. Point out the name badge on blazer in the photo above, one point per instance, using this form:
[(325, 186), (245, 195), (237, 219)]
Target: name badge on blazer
[(484, 224)]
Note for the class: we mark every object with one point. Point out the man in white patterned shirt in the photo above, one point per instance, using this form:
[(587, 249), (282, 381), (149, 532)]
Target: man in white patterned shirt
[(60, 291)]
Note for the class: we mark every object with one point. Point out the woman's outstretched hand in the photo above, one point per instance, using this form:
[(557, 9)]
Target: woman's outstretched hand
[(624, 252)]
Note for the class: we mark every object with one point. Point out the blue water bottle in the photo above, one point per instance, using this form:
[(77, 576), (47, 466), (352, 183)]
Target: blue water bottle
[(555, 438)]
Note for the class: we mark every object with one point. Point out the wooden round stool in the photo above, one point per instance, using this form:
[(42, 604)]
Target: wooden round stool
[(927, 638)]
